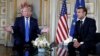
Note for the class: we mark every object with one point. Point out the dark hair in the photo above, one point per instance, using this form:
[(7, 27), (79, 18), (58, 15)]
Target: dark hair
[(84, 9)]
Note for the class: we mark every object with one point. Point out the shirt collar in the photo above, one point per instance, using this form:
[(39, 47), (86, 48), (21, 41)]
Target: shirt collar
[(26, 18), (82, 19)]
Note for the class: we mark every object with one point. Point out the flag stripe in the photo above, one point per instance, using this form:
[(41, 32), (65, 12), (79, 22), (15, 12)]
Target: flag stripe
[(66, 22), (60, 40), (61, 51), (65, 53), (65, 25), (60, 37), (62, 29), (57, 40)]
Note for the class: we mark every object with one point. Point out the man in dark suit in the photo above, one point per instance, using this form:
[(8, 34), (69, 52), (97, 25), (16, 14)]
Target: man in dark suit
[(25, 30), (20, 32), (83, 37)]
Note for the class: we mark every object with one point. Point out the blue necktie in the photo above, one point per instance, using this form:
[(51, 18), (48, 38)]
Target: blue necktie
[(26, 53), (26, 31)]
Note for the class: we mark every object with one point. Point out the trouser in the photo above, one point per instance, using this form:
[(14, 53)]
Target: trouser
[(98, 49), (26, 49), (83, 49)]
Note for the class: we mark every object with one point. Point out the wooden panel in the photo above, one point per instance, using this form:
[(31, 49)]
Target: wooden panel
[(7, 15)]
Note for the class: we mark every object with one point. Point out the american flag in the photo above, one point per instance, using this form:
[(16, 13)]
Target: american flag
[(62, 29), (62, 51)]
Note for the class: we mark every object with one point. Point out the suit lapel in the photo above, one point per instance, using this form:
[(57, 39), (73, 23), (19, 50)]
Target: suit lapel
[(85, 23), (84, 26), (23, 24), (31, 23)]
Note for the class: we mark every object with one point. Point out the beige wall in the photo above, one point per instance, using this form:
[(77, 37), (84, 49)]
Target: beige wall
[(98, 14), (50, 17), (71, 2), (54, 8)]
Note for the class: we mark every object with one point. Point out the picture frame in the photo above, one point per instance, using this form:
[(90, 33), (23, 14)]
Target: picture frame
[(1, 28), (3, 4), (44, 18), (18, 12), (90, 7), (3, 0), (3, 22), (91, 15), (3, 16), (44, 12), (3, 35), (3, 10)]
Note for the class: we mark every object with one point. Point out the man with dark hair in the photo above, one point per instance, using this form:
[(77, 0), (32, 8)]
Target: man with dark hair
[(84, 9), (83, 37)]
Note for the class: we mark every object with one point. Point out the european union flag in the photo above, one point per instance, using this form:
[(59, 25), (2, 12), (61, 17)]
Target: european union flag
[(79, 3)]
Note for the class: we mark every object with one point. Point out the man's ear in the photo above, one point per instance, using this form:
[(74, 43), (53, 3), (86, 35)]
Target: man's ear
[(85, 13)]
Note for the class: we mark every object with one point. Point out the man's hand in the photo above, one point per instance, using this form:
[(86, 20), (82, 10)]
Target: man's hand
[(8, 28), (76, 44), (45, 30)]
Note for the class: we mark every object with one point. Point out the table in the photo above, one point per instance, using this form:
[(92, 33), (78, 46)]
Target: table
[(60, 50)]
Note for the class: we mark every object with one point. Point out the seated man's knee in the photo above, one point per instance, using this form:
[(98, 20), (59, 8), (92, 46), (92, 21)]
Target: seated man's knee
[(70, 45), (83, 48), (98, 49)]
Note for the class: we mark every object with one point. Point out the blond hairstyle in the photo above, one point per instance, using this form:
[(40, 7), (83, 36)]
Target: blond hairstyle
[(27, 5)]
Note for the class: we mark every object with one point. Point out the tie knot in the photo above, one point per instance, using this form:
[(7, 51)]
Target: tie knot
[(81, 21), (27, 18)]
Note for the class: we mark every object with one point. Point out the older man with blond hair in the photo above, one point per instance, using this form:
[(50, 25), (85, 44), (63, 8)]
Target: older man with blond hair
[(24, 30)]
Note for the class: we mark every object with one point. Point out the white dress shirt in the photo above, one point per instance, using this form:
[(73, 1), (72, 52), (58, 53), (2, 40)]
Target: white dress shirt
[(28, 20), (82, 23)]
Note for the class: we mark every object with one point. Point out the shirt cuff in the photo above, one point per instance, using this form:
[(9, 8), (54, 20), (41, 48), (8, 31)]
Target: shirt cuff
[(12, 31), (81, 43), (74, 39)]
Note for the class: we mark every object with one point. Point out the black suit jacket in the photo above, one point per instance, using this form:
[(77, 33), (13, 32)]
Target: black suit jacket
[(87, 32), (19, 30)]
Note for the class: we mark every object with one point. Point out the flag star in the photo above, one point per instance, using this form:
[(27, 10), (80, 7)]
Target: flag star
[(73, 23)]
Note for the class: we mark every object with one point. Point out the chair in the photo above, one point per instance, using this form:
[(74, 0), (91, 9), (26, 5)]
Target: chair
[(96, 50), (98, 44)]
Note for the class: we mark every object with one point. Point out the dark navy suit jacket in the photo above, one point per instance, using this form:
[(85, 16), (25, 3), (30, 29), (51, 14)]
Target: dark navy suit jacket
[(87, 32), (19, 30)]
